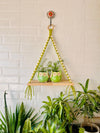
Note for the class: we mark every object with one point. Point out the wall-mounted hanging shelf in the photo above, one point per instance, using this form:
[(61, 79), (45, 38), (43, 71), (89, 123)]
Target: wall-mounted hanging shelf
[(33, 82), (61, 83)]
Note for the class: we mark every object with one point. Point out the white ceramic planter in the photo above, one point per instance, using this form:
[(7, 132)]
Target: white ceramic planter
[(93, 125)]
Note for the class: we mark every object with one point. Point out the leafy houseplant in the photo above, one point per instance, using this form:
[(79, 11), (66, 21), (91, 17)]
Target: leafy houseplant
[(14, 122), (42, 74), (98, 97), (52, 126), (61, 108), (86, 101), (55, 73)]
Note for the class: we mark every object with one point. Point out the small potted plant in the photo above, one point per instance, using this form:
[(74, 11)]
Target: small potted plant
[(42, 74), (87, 101), (54, 71)]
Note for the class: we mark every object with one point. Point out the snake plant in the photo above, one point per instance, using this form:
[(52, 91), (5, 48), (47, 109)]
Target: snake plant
[(14, 122)]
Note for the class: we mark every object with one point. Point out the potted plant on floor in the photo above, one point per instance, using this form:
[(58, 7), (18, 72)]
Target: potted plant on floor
[(87, 101), (13, 122), (54, 71), (52, 126), (61, 108), (42, 74)]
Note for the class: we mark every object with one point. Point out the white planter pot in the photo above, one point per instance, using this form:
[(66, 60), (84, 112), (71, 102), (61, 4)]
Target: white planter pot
[(91, 125)]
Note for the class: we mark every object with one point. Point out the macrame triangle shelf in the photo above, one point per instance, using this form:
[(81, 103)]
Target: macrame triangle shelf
[(33, 82)]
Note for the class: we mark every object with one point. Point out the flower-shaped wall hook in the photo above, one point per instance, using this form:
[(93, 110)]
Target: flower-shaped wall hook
[(50, 14)]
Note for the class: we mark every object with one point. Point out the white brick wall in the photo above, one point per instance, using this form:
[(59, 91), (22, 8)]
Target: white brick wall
[(23, 33), (8, 79), (9, 63), (0, 71), (4, 55)]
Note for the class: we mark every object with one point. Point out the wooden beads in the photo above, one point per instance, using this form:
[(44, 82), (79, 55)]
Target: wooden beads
[(62, 64)]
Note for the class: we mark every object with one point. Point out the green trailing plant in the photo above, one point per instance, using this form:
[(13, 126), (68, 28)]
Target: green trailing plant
[(61, 108), (87, 100), (14, 122)]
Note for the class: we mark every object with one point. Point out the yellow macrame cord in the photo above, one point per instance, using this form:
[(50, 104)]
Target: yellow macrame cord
[(28, 91)]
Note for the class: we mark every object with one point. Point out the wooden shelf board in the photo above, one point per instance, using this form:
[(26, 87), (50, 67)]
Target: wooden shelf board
[(61, 83)]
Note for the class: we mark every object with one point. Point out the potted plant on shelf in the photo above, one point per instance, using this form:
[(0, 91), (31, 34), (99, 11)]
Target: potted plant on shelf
[(42, 74), (87, 101), (54, 71)]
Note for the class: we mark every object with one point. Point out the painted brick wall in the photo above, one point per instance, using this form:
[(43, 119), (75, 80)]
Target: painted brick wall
[(23, 33)]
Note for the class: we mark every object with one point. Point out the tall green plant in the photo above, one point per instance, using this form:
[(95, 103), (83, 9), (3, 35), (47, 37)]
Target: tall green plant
[(87, 100), (61, 108), (14, 126), (9, 120), (14, 122), (23, 115)]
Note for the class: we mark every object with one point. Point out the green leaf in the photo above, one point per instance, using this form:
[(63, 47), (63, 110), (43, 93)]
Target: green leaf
[(27, 126), (92, 100), (82, 102), (73, 90), (60, 109), (47, 103), (82, 86), (61, 95), (86, 85), (49, 99)]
